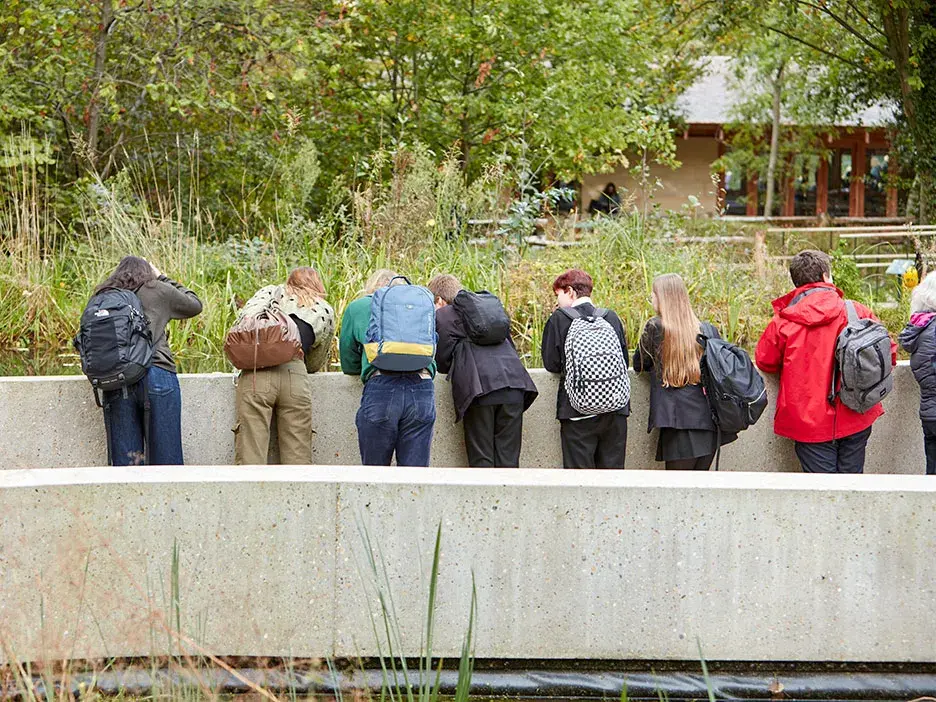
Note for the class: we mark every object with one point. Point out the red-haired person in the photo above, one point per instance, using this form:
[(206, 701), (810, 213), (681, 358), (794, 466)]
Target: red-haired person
[(589, 439)]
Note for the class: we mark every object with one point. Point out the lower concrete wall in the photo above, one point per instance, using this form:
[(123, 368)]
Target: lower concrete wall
[(583, 564), (54, 423)]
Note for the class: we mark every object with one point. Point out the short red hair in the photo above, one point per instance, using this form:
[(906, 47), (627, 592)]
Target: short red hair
[(576, 279)]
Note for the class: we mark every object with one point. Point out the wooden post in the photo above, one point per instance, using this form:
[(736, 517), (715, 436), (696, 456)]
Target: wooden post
[(760, 253), (892, 172), (822, 188), (752, 196), (856, 187)]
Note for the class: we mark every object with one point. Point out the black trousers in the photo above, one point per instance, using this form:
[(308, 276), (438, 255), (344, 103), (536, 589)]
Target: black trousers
[(700, 463), (493, 435), (929, 446), (599, 442), (845, 455)]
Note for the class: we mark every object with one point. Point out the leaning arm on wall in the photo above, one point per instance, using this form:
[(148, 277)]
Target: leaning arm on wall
[(646, 348), (769, 353), (349, 348), (551, 346)]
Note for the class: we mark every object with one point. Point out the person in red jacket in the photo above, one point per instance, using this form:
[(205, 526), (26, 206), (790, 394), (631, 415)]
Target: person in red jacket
[(799, 344)]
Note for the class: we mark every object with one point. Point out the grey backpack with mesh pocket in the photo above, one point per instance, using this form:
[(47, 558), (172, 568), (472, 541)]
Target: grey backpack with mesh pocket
[(862, 376), (596, 378)]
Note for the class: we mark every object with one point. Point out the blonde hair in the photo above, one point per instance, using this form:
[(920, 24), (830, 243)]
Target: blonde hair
[(445, 286), (923, 298), (378, 279), (680, 351), (305, 284)]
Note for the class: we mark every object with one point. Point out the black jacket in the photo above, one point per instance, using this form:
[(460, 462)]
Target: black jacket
[(919, 339), (553, 349), (673, 408), (475, 370)]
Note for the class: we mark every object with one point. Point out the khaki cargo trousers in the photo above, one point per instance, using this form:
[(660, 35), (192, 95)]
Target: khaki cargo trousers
[(285, 391)]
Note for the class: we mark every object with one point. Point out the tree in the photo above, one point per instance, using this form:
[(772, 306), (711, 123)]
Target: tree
[(872, 51)]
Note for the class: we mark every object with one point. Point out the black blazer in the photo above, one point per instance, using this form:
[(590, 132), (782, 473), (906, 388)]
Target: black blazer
[(674, 408), (553, 348), (475, 370)]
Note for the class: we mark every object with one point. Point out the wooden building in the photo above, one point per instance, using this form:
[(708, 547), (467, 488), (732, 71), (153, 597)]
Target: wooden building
[(851, 182)]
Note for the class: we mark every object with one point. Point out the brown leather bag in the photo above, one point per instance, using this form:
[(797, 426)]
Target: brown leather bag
[(266, 339)]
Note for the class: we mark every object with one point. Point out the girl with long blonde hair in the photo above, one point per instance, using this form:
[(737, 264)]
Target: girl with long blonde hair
[(669, 350)]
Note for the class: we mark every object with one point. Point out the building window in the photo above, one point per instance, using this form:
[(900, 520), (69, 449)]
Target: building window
[(840, 172), (875, 182), (735, 193), (804, 191)]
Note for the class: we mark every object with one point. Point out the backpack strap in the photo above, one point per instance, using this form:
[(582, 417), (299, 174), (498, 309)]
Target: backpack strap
[(571, 312), (807, 293), (399, 277), (600, 312), (852, 312)]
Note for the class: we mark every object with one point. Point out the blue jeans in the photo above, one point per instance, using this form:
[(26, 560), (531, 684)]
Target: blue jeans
[(397, 413), (126, 416)]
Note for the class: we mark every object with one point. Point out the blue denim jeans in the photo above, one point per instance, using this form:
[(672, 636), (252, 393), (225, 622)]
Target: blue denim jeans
[(125, 415), (397, 413)]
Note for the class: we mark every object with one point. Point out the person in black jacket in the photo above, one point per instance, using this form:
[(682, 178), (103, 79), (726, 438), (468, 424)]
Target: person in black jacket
[(669, 350), (588, 441), (490, 387), (608, 201), (919, 339)]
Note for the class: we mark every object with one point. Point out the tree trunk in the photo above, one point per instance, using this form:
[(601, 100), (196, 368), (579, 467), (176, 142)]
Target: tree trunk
[(774, 141), (917, 104), (100, 64)]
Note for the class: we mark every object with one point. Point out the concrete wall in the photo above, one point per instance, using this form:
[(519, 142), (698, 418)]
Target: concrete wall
[(583, 564), (54, 423), (693, 177)]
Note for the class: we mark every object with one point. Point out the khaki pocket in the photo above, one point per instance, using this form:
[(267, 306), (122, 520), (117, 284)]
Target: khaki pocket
[(300, 386)]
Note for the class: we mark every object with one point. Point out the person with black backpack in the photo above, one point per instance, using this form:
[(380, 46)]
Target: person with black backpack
[(125, 353), (587, 347), (490, 387), (835, 359), (669, 350)]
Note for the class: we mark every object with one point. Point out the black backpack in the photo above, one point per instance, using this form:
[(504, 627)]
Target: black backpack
[(114, 341), (734, 389), (485, 319)]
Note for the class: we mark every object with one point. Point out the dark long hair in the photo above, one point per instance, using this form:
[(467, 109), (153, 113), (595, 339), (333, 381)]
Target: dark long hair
[(131, 273)]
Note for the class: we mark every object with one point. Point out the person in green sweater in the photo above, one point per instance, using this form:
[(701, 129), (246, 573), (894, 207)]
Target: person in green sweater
[(354, 323), (397, 412)]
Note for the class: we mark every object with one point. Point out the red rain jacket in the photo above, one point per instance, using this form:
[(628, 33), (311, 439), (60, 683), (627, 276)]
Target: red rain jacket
[(799, 344)]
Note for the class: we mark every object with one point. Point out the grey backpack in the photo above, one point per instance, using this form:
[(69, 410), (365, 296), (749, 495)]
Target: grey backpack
[(863, 367), (596, 378)]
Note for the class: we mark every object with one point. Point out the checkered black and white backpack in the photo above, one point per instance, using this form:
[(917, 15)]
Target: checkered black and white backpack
[(596, 377)]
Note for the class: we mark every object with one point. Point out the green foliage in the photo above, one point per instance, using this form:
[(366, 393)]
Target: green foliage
[(412, 217)]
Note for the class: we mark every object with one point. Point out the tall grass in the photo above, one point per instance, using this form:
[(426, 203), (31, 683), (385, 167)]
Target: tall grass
[(410, 215)]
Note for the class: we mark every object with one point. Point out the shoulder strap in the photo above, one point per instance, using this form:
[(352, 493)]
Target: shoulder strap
[(852, 312), (807, 293), (571, 312), (600, 312)]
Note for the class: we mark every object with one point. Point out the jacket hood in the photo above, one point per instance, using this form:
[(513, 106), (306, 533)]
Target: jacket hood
[(910, 336), (815, 310)]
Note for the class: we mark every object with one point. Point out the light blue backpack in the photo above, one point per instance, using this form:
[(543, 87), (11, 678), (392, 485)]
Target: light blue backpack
[(401, 335)]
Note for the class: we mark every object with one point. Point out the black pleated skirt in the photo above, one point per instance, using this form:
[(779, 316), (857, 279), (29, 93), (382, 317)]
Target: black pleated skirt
[(680, 444)]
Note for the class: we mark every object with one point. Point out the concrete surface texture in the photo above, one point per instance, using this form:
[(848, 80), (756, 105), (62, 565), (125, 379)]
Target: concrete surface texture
[(52, 422), (584, 564)]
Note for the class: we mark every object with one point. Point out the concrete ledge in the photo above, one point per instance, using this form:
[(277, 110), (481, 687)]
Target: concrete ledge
[(583, 564), (52, 422)]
